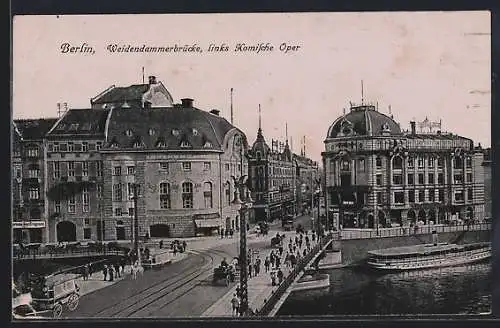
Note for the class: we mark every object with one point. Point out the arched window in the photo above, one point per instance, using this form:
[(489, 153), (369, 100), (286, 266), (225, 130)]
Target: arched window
[(457, 162), (165, 195), (397, 163), (187, 195), (345, 165), (207, 194)]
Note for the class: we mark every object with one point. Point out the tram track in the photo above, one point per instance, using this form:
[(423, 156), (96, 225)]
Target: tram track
[(164, 292)]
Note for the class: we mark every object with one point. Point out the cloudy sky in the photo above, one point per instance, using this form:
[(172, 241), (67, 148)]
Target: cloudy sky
[(434, 65)]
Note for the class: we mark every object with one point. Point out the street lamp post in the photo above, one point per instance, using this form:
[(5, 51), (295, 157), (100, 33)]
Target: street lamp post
[(136, 222), (243, 208)]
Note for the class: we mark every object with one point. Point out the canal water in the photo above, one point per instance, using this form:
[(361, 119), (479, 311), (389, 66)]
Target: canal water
[(357, 291)]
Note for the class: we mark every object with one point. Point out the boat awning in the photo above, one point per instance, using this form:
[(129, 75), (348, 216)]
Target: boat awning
[(206, 223)]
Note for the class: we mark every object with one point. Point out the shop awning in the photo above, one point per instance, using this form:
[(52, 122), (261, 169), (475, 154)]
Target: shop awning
[(207, 223), (206, 216)]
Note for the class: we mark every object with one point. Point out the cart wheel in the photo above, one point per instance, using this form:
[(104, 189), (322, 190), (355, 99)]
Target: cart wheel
[(57, 310), (73, 301)]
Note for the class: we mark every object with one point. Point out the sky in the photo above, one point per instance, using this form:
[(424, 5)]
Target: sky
[(421, 64)]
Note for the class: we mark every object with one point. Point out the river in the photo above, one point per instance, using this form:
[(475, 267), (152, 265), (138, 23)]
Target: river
[(355, 291)]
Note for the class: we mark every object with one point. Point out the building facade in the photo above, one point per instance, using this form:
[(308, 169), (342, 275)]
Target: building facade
[(377, 175), (271, 178), (307, 175), (29, 180), (183, 160)]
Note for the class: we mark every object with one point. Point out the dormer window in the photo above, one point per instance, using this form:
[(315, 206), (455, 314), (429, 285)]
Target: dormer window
[(114, 145), (195, 132), (61, 127), (385, 127), (185, 144), (207, 144), (175, 132), (138, 144), (161, 144), (151, 132), (129, 133)]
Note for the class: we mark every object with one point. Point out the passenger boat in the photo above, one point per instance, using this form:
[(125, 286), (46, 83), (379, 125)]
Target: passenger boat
[(427, 256)]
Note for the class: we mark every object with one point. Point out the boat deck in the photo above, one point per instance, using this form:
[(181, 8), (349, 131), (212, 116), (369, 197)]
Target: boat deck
[(420, 249)]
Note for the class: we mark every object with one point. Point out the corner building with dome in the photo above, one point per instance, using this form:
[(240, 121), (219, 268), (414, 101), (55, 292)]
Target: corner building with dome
[(378, 175)]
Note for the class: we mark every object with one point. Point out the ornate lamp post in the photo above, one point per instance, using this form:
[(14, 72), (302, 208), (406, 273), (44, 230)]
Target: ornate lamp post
[(135, 197), (243, 205)]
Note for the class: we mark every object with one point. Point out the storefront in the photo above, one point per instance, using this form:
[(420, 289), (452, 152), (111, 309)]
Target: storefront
[(28, 231), (207, 224)]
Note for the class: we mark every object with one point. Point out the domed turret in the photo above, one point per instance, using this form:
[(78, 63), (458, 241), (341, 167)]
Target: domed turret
[(363, 120)]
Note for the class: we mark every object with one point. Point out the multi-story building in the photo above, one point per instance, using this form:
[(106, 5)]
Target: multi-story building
[(183, 160), (307, 174), (272, 176), (377, 175), (29, 180), (74, 161), (487, 183)]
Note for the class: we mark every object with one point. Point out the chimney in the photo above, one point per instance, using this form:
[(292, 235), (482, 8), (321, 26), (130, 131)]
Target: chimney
[(413, 130), (152, 79), (215, 112), (187, 102)]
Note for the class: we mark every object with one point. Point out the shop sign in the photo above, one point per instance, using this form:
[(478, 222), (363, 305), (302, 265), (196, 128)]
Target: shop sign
[(28, 224)]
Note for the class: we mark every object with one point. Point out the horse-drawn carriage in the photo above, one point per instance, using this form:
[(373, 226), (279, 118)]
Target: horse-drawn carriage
[(277, 240), (46, 299), (224, 274)]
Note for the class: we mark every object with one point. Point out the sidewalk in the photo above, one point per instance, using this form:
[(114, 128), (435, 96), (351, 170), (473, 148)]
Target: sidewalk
[(259, 287)]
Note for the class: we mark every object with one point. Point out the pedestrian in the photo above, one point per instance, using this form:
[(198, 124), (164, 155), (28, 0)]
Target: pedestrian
[(266, 264), (91, 269), (133, 269), (256, 268), (313, 237), (280, 276), (278, 262), (281, 250), (250, 270), (111, 273), (184, 245), (87, 271), (161, 244), (105, 272), (294, 249), (273, 278), (287, 260), (221, 233), (175, 250), (238, 291), (235, 303), (117, 270), (226, 233), (258, 264)]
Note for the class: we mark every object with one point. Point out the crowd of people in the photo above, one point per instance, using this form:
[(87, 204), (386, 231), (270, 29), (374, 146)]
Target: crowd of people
[(279, 263)]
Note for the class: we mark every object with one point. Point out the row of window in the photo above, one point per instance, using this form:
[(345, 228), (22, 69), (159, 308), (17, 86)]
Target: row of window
[(165, 166), (397, 179), (74, 168), (398, 163), (165, 194), (74, 146), (420, 196)]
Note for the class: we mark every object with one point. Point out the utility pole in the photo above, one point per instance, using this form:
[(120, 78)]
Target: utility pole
[(244, 206), (136, 222)]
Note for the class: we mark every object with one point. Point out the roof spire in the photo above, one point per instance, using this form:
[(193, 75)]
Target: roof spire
[(362, 93), (286, 132), (232, 114), (260, 119)]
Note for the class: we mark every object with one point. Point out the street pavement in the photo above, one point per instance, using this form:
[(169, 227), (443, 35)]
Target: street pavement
[(180, 289)]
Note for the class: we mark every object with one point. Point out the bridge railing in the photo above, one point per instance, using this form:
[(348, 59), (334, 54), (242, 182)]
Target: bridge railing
[(48, 253), (269, 304), (407, 231)]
